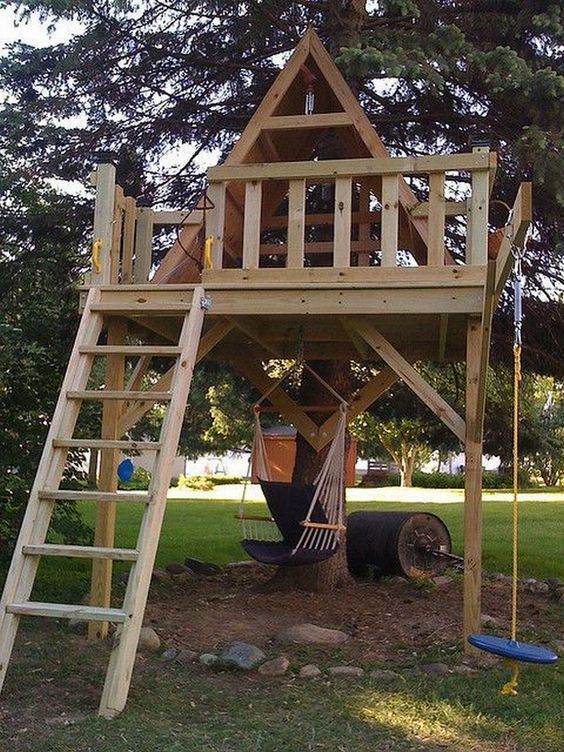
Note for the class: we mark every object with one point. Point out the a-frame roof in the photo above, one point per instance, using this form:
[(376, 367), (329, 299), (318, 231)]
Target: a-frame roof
[(339, 128)]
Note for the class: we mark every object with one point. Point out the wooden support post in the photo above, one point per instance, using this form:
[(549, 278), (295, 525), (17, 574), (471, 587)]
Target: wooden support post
[(364, 227), (101, 583), (473, 483), (390, 219), (115, 253), (143, 245), (477, 247), (251, 225), (342, 228), (296, 224), (436, 241), (128, 241), (103, 223), (215, 222)]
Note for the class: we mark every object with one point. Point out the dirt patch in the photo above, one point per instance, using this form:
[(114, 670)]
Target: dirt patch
[(383, 616)]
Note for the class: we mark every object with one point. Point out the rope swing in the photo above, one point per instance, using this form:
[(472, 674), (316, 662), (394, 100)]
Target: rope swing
[(306, 521), (515, 652)]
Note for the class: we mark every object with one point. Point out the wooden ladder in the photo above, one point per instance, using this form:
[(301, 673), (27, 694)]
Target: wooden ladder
[(31, 543)]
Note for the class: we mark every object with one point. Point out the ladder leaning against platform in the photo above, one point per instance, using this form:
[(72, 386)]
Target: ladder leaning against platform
[(46, 492)]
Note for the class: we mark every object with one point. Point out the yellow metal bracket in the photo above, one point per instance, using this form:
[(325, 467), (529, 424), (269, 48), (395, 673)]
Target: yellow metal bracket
[(96, 248), (208, 245)]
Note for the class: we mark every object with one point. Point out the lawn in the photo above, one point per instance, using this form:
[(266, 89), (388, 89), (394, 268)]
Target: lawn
[(204, 526), (55, 681)]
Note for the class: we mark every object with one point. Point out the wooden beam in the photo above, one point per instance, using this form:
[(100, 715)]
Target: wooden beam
[(129, 221), (342, 229), (436, 240), (143, 245), (390, 220), (364, 217), (103, 223), (178, 217), (411, 377), (516, 232), (477, 252), (251, 225), (296, 224), (333, 168), (452, 209), (104, 535), (301, 122)]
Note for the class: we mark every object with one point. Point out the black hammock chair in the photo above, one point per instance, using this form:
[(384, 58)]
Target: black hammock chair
[(306, 520)]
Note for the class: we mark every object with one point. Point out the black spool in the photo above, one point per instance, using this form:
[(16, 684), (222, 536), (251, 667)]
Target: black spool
[(402, 543)]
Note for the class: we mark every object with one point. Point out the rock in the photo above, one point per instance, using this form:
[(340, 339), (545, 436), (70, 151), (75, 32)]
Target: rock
[(441, 581), (242, 655), (489, 621), (433, 668), (148, 640), (123, 579), (353, 672), (169, 654), (208, 659), (539, 588), (176, 568), (310, 634), (309, 672), (201, 567), (554, 583), (276, 667), (161, 575), (243, 564), (397, 580), (384, 674), (184, 657), (559, 645)]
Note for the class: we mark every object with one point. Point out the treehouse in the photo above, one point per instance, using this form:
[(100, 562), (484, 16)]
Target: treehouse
[(310, 240)]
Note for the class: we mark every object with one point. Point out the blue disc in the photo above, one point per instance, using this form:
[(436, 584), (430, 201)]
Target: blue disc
[(507, 648), (125, 470)]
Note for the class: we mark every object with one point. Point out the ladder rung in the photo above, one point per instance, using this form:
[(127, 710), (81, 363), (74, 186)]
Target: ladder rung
[(142, 446), (65, 611), (106, 394), (158, 309), (81, 552), (156, 350), (94, 495)]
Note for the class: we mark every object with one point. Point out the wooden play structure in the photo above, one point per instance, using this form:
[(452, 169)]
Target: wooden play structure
[(309, 232)]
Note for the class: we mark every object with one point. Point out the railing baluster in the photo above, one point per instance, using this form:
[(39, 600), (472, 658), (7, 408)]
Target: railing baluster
[(251, 225), (117, 230), (296, 224), (343, 210), (436, 232), (128, 241), (390, 219), (477, 246), (143, 245), (215, 222), (103, 223)]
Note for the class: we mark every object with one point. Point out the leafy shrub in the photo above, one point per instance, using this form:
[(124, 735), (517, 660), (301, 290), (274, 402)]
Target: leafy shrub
[(139, 481), (446, 480)]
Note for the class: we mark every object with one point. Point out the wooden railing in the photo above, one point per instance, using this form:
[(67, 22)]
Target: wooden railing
[(233, 185)]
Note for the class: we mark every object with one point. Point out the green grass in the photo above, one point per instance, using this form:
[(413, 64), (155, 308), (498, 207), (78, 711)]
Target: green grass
[(207, 529)]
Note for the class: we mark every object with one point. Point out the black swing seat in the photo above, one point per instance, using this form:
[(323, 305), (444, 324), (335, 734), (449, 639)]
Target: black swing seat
[(288, 504)]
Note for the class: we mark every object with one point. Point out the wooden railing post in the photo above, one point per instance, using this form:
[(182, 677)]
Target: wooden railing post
[(128, 240), (143, 242), (296, 223), (436, 236), (342, 229), (477, 222), (390, 219), (103, 220), (117, 230), (215, 222), (251, 224)]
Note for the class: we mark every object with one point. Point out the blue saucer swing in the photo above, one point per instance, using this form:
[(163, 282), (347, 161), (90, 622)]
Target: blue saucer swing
[(509, 647)]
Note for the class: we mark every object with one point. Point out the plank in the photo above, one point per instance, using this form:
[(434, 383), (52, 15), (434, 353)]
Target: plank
[(342, 230), (390, 220), (153, 350), (333, 168), (81, 552), (316, 120), (65, 611), (106, 394), (436, 235), (521, 219), (129, 497), (140, 446), (411, 378), (452, 209), (296, 224), (117, 227), (143, 244), (251, 225), (364, 217), (178, 217), (477, 252), (128, 244), (319, 246)]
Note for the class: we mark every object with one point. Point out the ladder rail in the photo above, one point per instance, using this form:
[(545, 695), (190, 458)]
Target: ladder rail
[(120, 668), (35, 524)]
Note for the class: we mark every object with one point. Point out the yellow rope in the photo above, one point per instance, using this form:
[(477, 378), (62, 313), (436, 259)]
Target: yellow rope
[(510, 688)]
